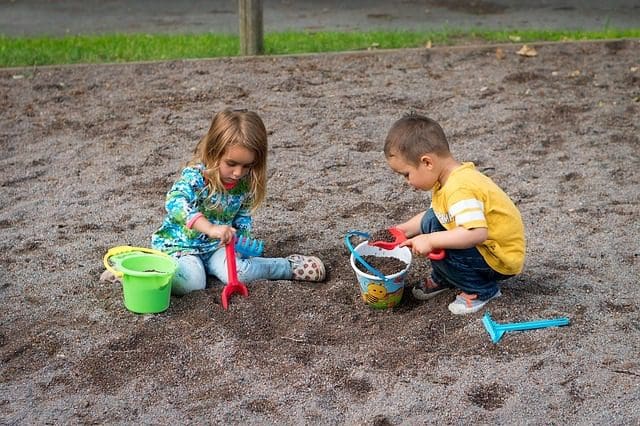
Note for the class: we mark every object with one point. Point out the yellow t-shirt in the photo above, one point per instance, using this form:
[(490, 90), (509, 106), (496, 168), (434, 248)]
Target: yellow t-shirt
[(472, 200)]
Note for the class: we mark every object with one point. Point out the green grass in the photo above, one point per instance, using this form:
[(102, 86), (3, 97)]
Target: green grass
[(36, 51)]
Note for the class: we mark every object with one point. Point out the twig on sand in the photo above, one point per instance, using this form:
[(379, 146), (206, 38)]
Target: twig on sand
[(293, 340), (626, 372)]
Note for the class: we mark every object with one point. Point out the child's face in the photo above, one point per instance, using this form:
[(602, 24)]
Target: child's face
[(422, 176), (235, 164)]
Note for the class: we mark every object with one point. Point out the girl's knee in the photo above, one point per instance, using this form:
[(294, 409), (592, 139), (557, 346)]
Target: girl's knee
[(190, 276), (180, 287)]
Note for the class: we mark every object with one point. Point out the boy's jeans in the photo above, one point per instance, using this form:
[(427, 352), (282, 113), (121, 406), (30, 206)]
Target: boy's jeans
[(464, 269), (192, 270)]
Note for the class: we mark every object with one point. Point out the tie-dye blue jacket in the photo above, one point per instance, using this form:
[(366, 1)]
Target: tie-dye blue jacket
[(189, 199)]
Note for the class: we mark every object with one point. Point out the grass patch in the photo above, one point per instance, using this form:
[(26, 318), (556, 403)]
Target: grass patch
[(35, 51)]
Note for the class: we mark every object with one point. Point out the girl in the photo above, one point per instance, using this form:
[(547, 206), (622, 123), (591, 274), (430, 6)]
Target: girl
[(212, 201)]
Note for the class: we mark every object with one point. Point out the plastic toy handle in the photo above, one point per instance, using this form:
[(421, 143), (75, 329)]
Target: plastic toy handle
[(233, 286), (115, 251), (532, 325), (232, 271), (400, 237), (437, 254), (357, 256)]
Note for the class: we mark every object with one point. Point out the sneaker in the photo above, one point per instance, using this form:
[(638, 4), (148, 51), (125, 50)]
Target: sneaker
[(427, 289), (108, 277), (469, 303), (306, 268)]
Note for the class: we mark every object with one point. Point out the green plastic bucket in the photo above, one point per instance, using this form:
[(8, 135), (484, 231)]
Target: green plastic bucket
[(146, 282)]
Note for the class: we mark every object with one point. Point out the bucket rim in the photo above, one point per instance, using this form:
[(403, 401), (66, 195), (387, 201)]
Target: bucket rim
[(373, 277), (136, 273)]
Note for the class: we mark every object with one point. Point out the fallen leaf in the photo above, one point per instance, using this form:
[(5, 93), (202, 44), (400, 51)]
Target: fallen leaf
[(527, 51), (428, 45), (500, 53), (514, 38), (575, 73)]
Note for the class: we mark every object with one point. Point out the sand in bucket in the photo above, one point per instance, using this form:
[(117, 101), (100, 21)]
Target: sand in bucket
[(146, 282), (376, 292)]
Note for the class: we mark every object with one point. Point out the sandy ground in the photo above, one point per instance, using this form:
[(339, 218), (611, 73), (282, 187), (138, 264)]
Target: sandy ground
[(88, 153)]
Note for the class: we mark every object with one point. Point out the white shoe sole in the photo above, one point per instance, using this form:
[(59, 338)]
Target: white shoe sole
[(462, 309)]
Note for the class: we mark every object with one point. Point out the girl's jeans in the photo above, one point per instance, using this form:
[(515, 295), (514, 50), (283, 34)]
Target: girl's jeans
[(192, 270), (464, 269)]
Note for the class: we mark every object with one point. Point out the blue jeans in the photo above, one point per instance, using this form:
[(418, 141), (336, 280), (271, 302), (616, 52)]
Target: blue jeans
[(192, 270), (464, 269)]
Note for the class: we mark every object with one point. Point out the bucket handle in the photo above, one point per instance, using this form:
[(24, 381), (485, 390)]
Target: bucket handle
[(359, 258), (115, 251)]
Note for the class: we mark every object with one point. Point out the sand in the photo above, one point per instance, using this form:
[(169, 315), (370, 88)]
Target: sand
[(90, 151)]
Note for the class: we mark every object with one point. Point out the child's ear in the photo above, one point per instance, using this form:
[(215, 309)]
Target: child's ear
[(427, 161)]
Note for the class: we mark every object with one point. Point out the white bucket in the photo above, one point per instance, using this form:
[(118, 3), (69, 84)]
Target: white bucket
[(376, 292)]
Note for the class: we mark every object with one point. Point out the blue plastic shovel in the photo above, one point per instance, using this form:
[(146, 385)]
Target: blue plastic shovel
[(497, 330)]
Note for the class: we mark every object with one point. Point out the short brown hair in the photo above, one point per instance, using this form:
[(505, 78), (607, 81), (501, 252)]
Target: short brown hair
[(413, 136)]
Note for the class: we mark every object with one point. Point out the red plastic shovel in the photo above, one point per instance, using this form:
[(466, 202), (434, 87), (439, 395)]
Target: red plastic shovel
[(400, 237), (233, 286)]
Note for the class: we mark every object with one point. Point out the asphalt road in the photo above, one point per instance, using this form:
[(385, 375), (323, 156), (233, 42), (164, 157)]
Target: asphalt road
[(48, 17)]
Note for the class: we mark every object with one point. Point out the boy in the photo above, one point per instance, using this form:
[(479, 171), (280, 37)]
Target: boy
[(470, 217)]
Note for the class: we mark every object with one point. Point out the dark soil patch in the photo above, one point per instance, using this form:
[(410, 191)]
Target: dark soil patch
[(387, 265), (382, 235)]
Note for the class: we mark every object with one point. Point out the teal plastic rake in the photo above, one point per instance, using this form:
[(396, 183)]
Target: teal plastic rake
[(497, 330), (249, 247)]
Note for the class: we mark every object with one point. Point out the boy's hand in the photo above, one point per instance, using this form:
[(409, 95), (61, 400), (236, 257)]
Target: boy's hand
[(419, 245)]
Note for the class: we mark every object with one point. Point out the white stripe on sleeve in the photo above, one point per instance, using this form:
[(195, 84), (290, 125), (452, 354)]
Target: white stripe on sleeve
[(469, 204), (471, 216)]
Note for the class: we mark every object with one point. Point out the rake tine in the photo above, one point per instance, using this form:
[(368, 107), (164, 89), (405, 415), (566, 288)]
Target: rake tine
[(249, 247)]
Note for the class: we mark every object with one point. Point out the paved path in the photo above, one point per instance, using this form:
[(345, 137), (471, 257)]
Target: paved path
[(46, 17)]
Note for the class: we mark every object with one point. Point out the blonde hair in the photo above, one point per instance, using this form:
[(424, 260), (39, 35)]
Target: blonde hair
[(234, 128)]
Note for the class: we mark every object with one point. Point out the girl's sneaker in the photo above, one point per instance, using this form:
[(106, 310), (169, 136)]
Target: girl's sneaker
[(108, 277), (469, 303), (306, 268), (427, 289)]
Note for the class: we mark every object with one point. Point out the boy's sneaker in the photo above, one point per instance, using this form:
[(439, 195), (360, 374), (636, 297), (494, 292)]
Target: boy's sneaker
[(469, 303), (306, 268), (427, 289)]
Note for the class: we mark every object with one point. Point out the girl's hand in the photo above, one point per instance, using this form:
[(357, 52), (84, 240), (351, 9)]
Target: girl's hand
[(224, 233)]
